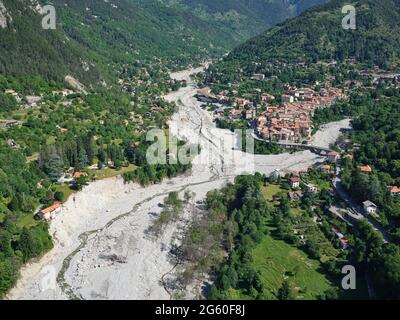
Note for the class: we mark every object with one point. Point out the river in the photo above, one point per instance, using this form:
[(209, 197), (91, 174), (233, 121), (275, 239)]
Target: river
[(102, 246)]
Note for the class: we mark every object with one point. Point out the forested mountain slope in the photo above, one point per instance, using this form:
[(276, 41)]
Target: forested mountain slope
[(27, 49), (243, 18), (318, 35), (94, 37)]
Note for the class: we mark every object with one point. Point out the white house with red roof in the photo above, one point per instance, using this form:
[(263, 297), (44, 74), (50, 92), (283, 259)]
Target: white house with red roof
[(295, 182), (50, 212)]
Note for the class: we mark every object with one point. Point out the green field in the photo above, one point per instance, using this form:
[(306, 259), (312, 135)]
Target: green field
[(270, 191), (27, 221), (66, 190), (321, 184), (109, 173), (276, 261)]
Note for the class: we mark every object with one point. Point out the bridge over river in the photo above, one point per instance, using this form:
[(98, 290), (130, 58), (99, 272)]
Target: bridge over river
[(315, 149)]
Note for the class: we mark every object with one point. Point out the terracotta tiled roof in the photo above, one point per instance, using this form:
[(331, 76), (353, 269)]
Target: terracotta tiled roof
[(51, 209), (77, 175), (394, 189), (365, 168)]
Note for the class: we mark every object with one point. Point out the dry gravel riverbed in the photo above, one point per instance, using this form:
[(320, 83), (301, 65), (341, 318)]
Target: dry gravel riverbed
[(102, 246)]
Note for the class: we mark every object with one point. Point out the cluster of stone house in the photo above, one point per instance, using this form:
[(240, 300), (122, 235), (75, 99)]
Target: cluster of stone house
[(33, 101), (137, 120), (296, 182), (292, 119), (289, 121)]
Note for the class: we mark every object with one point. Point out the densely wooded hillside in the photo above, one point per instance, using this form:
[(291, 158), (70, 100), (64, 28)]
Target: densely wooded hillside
[(94, 37), (318, 35), (244, 19)]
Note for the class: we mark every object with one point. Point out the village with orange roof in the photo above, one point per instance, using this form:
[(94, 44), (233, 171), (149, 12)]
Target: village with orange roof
[(290, 121)]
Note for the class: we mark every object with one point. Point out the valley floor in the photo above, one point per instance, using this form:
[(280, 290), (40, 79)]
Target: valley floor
[(102, 246)]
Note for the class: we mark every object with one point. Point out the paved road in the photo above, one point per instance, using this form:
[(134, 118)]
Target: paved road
[(337, 182)]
